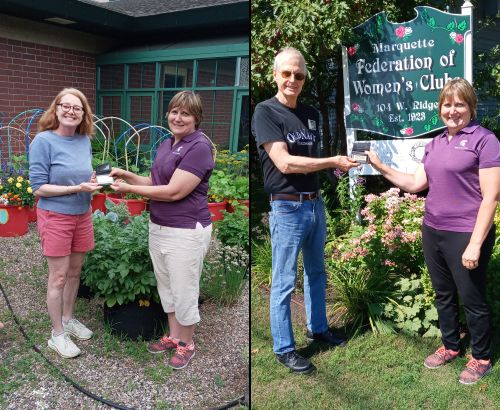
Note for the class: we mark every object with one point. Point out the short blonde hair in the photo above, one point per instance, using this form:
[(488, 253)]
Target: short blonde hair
[(49, 120), (464, 91), (190, 102)]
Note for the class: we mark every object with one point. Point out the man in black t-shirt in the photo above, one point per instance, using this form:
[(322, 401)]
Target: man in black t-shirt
[(288, 143)]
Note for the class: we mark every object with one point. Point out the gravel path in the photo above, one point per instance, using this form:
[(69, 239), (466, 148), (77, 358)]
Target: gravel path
[(122, 372)]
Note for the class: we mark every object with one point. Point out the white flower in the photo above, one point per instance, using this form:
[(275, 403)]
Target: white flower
[(112, 216), (453, 35), (408, 30)]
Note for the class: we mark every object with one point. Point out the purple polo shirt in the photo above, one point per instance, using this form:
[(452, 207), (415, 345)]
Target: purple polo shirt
[(192, 154), (452, 169)]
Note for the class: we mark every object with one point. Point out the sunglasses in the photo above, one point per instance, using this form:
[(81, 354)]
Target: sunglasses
[(298, 76)]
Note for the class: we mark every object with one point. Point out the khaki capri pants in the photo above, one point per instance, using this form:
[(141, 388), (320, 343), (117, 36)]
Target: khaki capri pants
[(177, 255)]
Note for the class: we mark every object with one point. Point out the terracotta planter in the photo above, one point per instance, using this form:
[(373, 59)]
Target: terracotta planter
[(135, 206), (215, 209), (13, 221), (133, 321), (97, 202)]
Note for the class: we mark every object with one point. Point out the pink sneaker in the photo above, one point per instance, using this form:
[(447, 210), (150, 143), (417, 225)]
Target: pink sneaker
[(162, 345), (440, 357), (474, 371), (182, 356)]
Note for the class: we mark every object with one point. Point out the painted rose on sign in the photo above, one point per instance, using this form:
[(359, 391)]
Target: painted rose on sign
[(403, 32), (456, 38), (407, 131)]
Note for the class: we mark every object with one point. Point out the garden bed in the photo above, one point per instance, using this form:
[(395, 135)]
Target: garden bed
[(120, 371)]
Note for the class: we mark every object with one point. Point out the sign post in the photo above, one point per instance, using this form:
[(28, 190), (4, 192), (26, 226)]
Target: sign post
[(393, 73)]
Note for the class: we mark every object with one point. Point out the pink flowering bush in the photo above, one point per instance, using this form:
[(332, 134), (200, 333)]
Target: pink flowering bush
[(366, 262), (391, 238)]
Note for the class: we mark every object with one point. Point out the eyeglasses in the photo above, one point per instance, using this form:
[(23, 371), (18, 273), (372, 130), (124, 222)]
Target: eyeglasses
[(298, 76), (67, 108)]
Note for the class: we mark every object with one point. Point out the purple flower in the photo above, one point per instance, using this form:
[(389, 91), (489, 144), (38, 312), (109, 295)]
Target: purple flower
[(360, 181)]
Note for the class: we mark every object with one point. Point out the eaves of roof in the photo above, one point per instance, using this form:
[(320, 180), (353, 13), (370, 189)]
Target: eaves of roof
[(90, 18)]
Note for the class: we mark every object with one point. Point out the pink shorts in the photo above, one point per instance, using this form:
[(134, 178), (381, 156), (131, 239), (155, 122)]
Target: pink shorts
[(61, 235)]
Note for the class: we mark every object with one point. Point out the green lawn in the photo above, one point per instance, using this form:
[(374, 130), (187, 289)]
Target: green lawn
[(383, 372)]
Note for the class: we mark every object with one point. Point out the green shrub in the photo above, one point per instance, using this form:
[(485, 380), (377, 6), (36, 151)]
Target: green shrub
[(412, 308), (493, 278), (341, 217), (233, 230), (360, 296), (119, 268), (220, 187)]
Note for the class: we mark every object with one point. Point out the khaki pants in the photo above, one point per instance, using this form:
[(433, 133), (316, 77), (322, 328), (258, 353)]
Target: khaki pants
[(177, 255)]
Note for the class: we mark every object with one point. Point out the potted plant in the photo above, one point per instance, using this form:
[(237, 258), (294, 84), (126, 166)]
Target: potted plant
[(219, 188), (119, 269), (240, 193), (97, 201), (16, 196), (134, 202)]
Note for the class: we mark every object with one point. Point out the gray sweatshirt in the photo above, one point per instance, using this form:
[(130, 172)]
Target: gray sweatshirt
[(58, 160)]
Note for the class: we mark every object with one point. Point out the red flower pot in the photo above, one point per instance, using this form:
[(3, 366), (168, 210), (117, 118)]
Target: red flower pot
[(114, 195), (215, 209), (135, 206), (13, 221), (31, 212), (97, 202), (246, 202)]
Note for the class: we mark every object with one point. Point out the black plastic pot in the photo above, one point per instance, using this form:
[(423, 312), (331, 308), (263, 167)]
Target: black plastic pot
[(84, 291), (133, 321)]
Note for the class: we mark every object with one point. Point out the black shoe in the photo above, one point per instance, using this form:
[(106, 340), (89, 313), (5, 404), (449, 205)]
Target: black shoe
[(296, 362), (326, 337)]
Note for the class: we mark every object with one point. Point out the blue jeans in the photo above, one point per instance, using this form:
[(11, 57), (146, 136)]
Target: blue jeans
[(294, 226)]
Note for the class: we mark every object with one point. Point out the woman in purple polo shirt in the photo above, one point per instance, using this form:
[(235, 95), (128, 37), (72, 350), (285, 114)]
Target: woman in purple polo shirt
[(180, 227), (461, 168)]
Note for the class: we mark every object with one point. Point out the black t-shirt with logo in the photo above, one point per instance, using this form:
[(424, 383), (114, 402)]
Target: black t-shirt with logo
[(298, 127)]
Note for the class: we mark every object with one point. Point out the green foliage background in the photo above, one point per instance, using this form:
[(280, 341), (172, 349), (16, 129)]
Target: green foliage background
[(318, 28)]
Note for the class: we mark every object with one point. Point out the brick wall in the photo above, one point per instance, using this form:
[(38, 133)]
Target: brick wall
[(31, 75)]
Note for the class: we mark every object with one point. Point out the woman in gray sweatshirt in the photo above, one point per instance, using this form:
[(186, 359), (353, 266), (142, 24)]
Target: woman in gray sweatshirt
[(61, 177)]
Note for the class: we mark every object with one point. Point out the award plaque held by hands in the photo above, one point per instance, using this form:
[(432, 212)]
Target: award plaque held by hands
[(358, 151), (102, 174)]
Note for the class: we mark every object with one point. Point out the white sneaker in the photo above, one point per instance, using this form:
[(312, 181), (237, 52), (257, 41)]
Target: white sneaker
[(63, 345), (77, 329)]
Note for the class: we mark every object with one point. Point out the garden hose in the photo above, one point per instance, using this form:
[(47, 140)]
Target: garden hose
[(81, 389), (66, 378)]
